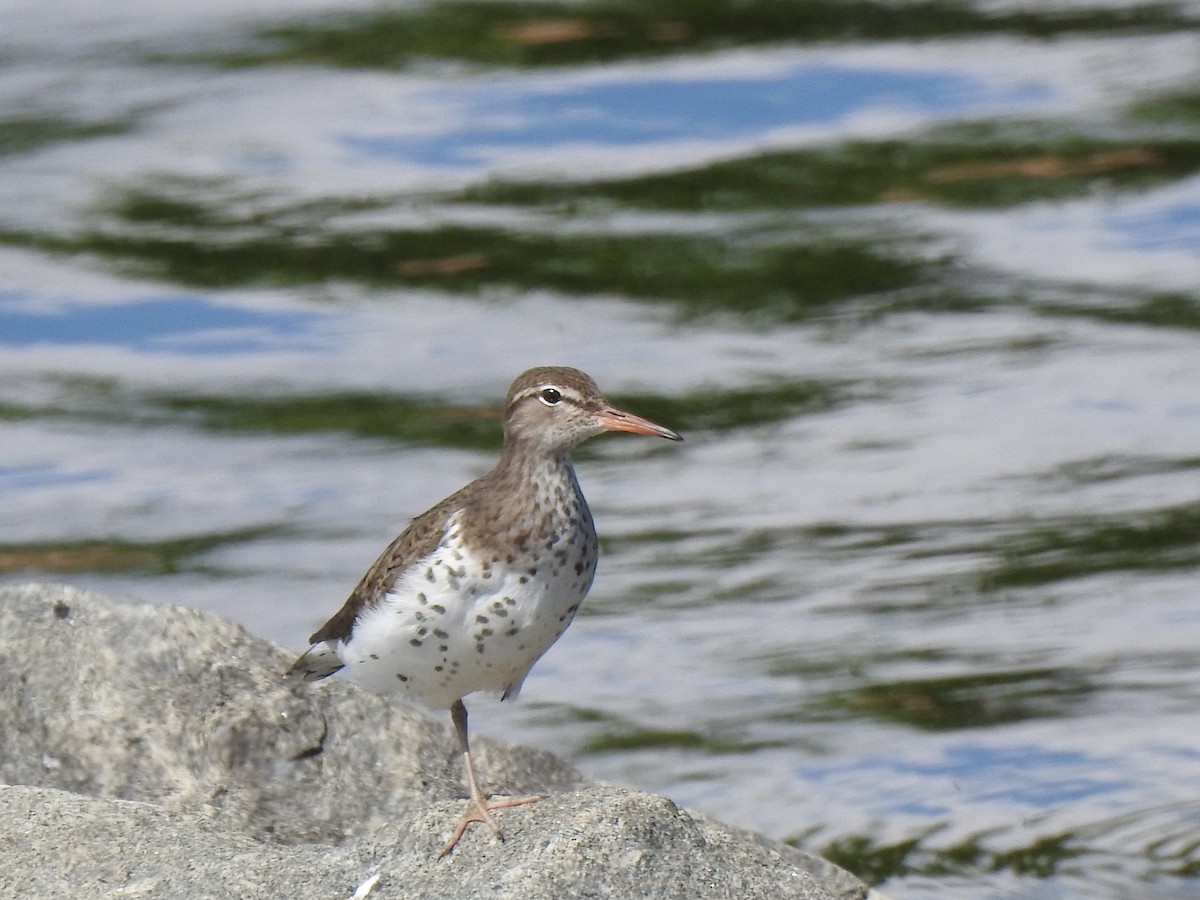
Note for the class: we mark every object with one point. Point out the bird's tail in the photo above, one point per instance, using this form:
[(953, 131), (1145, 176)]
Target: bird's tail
[(319, 661)]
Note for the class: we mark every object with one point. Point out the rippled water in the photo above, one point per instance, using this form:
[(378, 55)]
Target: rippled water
[(918, 592)]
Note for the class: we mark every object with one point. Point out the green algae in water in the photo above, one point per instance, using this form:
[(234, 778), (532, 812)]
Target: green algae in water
[(1159, 310), (950, 167), (360, 414), (523, 34), (634, 738), (25, 134), (612, 734), (1173, 108), (772, 276), (875, 861), (117, 555), (1157, 540), (981, 699)]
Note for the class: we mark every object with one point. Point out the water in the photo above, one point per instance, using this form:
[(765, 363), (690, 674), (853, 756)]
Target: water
[(918, 590)]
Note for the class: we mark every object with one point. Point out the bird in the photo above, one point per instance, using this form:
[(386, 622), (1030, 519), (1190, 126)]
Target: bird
[(477, 588)]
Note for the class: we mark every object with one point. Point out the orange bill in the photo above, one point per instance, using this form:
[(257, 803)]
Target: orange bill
[(618, 420)]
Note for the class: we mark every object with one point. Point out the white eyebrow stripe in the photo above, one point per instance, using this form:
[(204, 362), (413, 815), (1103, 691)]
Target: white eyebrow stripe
[(568, 394)]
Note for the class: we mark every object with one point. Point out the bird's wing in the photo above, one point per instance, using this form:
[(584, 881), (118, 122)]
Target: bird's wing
[(415, 542)]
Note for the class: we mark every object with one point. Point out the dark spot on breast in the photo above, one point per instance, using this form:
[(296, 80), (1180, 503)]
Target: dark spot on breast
[(486, 632), (421, 598), (438, 633), (533, 572), (439, 609), (61, 610), (374, 656), (438, 668), (482, 620), (415, 642), (429, 576), (512, 631), (402, 677)]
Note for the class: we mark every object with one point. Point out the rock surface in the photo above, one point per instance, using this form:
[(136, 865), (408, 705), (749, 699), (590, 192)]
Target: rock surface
[(157, 751)]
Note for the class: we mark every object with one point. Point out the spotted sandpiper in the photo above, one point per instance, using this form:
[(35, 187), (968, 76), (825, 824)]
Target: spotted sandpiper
[(471, 594)]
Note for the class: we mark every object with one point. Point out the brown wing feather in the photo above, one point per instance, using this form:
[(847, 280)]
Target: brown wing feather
[(414, 543)]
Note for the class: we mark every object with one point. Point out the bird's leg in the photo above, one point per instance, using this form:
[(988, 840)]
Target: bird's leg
[(479, 807)]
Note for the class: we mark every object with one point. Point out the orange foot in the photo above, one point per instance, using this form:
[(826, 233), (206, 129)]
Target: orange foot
[(479, 810)]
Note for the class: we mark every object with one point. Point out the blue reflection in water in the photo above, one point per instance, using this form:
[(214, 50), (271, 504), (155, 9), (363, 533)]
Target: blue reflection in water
[(190, 325), (42, 475), (1175, 227), (631, 113), (1029, 775)]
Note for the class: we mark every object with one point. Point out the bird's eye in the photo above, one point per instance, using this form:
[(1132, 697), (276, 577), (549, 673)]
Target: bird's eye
[(550, 396)]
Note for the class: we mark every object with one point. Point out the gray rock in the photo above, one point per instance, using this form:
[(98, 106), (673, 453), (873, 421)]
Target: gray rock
[(157, 751)]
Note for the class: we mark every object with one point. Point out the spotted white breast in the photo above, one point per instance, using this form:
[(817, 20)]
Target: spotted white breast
[(455, 623)]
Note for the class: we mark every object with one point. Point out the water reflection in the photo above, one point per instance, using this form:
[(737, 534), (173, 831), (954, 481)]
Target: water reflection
[(181, 324), (492, 121), (41, 476), (1146, 241), (1175, 225), (919, 594)]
